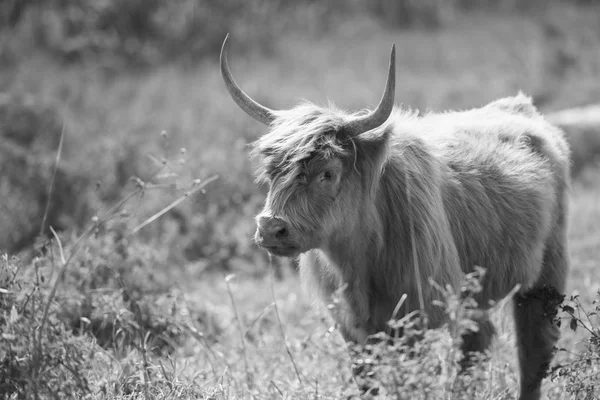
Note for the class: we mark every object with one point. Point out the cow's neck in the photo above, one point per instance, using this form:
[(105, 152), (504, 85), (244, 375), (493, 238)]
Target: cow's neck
[(354, 246)]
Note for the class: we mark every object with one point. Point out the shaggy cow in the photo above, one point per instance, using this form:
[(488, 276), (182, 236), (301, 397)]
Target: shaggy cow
[(383, 201)]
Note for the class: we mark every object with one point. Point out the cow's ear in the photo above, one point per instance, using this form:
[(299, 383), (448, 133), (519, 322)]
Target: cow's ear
[(371, 153), (373, 145)]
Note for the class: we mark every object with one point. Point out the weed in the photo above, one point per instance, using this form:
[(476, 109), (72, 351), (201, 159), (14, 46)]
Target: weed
[(582, 372)]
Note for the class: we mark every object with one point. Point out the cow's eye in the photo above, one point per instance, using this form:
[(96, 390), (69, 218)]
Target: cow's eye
[(302, 177), (327, 175)]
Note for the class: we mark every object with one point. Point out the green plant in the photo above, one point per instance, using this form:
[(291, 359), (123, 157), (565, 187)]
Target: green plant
[(582, 371), (50, 321), (56, 364), (423, 363), (138, 32)]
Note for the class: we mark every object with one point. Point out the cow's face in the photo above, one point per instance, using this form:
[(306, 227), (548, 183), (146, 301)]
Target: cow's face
[(302, 202), (306, 161), (320, 177)]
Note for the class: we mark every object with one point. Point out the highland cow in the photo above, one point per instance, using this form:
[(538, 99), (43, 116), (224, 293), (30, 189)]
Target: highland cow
[(383, 202)]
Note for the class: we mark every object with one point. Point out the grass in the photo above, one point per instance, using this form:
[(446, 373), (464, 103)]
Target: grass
[(171, 322)]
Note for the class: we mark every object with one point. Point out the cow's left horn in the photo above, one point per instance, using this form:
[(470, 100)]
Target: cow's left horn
[(251, 107), (378, 116)]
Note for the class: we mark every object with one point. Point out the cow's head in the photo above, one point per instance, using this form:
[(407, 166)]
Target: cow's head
[(320, 164)]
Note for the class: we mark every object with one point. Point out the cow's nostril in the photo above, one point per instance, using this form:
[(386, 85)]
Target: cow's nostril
[(281, 233), (271, 231)]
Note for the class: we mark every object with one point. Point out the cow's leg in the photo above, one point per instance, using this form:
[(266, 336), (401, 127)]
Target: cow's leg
[(535, 331), (356, 336), (536, 336), (477, 341)]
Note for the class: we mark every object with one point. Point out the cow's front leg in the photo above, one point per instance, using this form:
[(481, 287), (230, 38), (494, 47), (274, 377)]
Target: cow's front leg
[(350, 310), (353, 319)]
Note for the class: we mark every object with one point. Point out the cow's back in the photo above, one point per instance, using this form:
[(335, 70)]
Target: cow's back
[(505, 173)]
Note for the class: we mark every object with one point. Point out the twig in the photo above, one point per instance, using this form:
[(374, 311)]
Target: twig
[(74, 250), (276, 387), (199, 336), (60, 248), (399, 305), (258, 317), (58, 155), (587, 316), (53, 291), (168, 379), (199, 186), (287, 349), (144, 336), (241, 330)]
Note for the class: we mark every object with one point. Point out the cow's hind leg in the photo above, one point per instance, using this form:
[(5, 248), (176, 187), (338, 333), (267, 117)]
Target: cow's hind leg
[(536, 336), (535, 330)]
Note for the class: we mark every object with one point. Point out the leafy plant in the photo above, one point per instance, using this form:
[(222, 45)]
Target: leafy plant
[(582, 371)]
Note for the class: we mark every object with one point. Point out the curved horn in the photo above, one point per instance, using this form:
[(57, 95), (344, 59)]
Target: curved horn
[(251, 107), (378, 116)]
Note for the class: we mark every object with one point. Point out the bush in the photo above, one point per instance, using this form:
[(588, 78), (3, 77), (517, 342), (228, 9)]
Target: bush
[(582, 372), (50, 362), (62, 361), (139, 32), (29, 138), (121, 290), (105, 289), (411, 13), (142, 32), (426, 363)]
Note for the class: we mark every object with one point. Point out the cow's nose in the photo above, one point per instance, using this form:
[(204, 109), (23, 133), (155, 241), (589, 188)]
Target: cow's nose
[(271, 231)]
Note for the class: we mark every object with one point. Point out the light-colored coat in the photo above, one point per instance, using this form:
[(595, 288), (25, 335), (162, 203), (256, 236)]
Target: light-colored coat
[(441, 192), (381, 202)]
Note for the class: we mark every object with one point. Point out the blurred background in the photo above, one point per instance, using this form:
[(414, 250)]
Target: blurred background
[(134, 87), (115, 74)]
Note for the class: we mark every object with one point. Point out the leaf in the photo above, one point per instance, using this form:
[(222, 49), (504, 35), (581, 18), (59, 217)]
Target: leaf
[(573, 324), (568, 309)]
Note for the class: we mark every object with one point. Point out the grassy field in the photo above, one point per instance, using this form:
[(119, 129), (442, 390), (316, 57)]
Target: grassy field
[(225, 327)]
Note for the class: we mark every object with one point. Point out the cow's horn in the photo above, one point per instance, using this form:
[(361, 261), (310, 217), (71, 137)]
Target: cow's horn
[(251, 107), (378, 116)]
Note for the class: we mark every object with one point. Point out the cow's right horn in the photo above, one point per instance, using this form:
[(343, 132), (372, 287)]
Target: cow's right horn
[(251, 107)]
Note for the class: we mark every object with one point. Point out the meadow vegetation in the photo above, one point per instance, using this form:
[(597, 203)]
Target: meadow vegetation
[(127, 198)]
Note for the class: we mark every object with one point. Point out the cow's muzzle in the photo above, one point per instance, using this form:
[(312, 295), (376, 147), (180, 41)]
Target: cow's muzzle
[(273, 234)]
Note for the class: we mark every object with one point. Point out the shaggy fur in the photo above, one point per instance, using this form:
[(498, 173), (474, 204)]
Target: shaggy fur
[(420, 198)]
